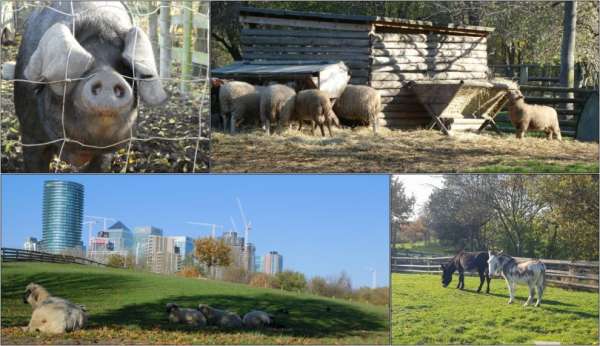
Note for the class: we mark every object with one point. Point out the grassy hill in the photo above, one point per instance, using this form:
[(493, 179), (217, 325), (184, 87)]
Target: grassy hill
[(423, 312), (129, 307)]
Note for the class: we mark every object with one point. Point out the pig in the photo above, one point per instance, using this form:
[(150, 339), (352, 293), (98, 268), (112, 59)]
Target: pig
[(99, 50)]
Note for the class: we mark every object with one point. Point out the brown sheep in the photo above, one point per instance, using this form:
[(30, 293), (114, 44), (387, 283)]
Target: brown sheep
[(525, 117), (312, 105), (272, 100), (359, 102)]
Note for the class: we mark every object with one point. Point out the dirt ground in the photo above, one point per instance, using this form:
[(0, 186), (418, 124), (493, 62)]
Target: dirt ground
[(397, 151)]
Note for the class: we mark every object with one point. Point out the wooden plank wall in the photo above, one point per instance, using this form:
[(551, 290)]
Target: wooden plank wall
[(398, 57), (299, 39)]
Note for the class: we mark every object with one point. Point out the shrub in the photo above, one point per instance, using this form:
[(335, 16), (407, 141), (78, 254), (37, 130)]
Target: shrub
[(260, 280), (236, 274), (290, 281), (189, 272)]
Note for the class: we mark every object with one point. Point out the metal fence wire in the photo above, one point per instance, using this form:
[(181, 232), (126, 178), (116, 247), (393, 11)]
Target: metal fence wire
[(137, 11)]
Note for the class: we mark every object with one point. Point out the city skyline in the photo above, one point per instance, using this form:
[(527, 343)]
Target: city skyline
[(361, 203)]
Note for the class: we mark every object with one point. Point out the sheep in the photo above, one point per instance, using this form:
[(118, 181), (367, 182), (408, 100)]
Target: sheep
[(185, 316), (312, 105), (220, 318), (257, 319), (239, 101), (272, 100), (525, 117), (359, 102)]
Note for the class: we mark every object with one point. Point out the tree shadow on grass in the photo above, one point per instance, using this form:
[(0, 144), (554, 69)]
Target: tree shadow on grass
[(308, 317)]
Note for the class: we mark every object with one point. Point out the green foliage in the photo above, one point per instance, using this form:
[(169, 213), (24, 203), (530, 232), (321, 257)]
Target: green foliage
[(120, 261), (553, 216), (128, 307), (423, 312), (290, 281), (401, 208)]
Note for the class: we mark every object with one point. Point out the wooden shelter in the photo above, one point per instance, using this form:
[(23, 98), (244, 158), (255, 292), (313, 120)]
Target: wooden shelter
[(385, 53)]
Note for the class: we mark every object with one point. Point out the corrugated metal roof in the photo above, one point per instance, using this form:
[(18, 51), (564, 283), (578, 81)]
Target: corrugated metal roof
[(273, 68)]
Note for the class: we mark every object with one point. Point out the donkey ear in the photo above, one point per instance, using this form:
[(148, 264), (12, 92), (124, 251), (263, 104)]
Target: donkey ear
[(138, 52)]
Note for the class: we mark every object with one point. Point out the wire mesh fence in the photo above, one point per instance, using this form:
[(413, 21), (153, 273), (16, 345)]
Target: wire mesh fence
[(170, 137)]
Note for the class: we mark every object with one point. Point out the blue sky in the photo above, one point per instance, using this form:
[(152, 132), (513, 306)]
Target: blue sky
[(321, 224)]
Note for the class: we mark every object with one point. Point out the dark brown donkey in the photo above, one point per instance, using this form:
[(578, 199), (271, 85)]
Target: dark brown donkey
[(467, 262)]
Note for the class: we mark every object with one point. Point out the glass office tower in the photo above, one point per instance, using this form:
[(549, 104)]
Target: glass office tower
[(63, 215)]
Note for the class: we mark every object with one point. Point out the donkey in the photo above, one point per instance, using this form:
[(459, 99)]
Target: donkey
[(470, 262), (533, 272)]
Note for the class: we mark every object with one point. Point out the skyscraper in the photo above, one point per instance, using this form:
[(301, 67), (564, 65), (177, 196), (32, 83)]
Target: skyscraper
[(140, 236), (162, 255), (31, 244), (273, 263), (185, 245), (62, 216)]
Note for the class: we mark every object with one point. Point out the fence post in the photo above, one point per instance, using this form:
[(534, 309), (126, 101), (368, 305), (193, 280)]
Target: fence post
[(186, 59), (523, 74)]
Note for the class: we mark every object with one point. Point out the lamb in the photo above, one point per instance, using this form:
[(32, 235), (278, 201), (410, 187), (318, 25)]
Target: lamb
[(359, 102), (257, 319), (185, 316), (525, 117), (220, 318), (312, 105), (239, 101), (272, 100)]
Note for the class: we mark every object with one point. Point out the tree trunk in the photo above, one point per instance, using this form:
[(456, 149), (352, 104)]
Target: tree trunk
[(165, 39), (567, 54), (186, 59)]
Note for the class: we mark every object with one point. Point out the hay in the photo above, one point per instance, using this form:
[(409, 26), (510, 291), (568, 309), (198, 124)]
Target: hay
[(390, 151)]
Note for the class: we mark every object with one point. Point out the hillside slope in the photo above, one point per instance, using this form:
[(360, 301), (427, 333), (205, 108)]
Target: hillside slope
[(129, 307)]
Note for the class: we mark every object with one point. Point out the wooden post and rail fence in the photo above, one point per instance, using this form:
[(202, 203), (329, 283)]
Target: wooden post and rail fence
[(578, 275), (19, 255)]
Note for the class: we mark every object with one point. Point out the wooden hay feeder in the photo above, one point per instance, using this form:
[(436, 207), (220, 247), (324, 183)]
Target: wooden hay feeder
[(461, 105)]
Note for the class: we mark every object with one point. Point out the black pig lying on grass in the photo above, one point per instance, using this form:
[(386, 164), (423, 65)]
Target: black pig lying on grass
[(100, 50)]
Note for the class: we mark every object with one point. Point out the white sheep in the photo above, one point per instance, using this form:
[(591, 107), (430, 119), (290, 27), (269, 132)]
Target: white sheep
[(312, 105), (359, 102), (220, 318), (526, 117), (239, 101), (257, 319), (185, 316), (272, 100)]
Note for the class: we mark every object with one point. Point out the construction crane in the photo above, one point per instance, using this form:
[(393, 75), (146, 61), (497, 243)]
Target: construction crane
[(373, 277), (247, 225), (212, 225), (91, 223), (103, 218)]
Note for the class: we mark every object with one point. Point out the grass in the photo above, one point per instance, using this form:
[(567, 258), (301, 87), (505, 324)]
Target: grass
[(425, 313), (398, 151), (129, 307)]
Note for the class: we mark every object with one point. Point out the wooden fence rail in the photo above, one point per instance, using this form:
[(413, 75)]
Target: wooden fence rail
[(18, 255), (578, 275)]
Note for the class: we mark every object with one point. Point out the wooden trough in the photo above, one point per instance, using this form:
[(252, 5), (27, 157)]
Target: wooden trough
[(387, 54)]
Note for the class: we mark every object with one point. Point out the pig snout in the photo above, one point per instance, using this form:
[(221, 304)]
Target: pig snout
[(107, 94)]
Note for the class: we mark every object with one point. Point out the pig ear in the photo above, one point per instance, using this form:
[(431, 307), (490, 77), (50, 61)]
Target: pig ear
[(58, 56), (138, 52)]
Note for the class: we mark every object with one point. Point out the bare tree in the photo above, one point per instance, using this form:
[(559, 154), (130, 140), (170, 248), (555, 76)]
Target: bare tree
[(165, 39), (567, 53)]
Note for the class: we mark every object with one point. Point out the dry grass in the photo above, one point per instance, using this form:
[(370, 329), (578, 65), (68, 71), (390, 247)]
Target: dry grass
[(397, 151)]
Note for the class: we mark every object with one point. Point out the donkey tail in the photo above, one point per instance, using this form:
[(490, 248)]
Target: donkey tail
[(543, 274)]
